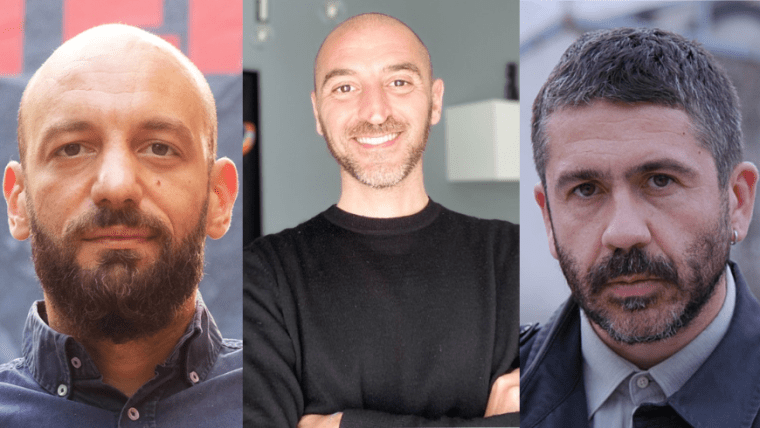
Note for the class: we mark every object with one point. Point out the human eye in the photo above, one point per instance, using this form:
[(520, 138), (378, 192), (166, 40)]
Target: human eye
[(659, 181), (401, 85), (160, 149), (585, 190), (71, 150), (343, 89)]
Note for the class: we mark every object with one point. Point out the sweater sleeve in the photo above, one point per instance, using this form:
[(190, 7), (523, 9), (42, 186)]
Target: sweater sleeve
[(374, 419), (272, 393)]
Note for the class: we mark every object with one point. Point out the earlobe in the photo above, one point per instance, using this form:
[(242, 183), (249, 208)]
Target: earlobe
[(224, 190), (316, 112), (437, 92), (742, 197), (543, 203), (14, 190)]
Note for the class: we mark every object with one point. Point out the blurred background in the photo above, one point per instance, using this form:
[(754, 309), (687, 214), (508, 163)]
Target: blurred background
[(729, 29), (470, 44), (210, 33)]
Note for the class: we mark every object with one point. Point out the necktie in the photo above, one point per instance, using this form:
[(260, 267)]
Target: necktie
[(651, 416)]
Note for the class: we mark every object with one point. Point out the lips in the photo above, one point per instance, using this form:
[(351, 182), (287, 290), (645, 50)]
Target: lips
[(375, 141), (633, 286), (118, 233)]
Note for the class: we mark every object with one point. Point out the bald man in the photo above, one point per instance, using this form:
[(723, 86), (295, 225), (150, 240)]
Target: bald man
[(117, 187), (386, 309)]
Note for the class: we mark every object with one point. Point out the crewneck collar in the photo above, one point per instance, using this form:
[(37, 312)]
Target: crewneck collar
[(380, 226)]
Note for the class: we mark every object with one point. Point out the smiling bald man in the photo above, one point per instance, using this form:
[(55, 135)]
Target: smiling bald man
[(387, 309), (117, 186)]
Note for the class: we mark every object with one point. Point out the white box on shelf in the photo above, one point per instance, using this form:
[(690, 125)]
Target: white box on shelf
[(483, 141)]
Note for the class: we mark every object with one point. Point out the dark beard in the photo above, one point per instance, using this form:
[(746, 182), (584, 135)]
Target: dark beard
[(117, 301), (706, 259)]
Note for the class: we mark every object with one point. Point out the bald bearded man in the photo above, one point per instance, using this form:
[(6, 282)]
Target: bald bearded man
[(117, 186)]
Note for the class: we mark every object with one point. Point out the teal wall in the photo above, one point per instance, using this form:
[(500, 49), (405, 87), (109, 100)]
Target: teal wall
[(470, 44)]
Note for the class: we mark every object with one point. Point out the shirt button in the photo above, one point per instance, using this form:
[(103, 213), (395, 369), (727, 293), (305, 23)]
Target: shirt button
[(133, 414), (76, 362), (642, 382), (62, 390), (194, 377)]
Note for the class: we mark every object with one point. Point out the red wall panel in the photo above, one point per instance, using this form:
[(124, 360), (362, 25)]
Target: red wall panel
[(11, 37)]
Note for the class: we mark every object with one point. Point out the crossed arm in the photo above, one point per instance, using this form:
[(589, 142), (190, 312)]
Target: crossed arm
[(504, 398), (273, 394)]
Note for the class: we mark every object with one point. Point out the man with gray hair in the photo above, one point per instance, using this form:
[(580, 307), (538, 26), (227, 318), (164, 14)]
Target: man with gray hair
[(118, 186), (637, 141)]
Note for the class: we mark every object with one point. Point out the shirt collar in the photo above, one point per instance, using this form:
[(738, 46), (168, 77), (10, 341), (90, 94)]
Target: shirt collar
[(57, 361), (673, 373), (604, 370)]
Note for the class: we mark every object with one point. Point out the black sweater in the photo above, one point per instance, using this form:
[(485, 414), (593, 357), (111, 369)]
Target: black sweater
[(395, 322)]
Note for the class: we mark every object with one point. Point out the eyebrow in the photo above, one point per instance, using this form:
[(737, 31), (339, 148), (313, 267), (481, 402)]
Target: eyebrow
[(335, 73), (170, 125), (65, 127), (407, 66), (662, 165), (404, 66), (156, 124), (586, 174)]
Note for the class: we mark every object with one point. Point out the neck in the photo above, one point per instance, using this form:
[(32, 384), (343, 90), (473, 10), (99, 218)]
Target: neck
[(406, 198), (128, 366), (648, 355)]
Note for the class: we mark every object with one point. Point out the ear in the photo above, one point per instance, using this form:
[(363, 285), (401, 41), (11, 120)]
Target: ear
[(14, 190), (543, 203), (743, 185), (316, 113), (224, 189), (435, 115)]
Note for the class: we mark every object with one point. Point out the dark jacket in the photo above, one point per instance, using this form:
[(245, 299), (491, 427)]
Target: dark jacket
[(724, 392)]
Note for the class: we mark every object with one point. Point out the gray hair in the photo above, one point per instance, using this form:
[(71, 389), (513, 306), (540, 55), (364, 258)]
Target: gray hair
[(644, 65)]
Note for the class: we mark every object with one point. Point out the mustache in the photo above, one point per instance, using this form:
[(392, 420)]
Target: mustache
[(633, 262), (390, 125), (128, 216)]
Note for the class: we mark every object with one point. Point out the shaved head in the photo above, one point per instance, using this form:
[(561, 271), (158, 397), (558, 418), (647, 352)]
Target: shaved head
[(361, 22), (125, 47)]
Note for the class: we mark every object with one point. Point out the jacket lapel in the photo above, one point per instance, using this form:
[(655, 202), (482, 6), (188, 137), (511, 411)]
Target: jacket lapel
[(551, 388)]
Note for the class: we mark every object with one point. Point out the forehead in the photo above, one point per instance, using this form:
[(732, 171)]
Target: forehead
[(113, 90), (610, 137), (369, 46)]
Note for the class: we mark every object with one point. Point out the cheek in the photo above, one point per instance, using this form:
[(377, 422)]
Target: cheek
[(579, 238), (55, 203), (180, 200), (337, 117)]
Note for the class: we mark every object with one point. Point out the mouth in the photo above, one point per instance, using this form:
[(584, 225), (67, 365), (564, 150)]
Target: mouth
[(634, 286), (118, 234), (376, 141)]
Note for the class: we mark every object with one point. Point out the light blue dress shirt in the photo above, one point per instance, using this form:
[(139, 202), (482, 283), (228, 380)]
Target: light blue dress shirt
[(56, 384)]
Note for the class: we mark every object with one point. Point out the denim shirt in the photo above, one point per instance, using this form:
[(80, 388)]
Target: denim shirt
[(56, 384)]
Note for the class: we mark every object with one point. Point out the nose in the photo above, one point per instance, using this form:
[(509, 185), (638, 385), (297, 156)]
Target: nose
[(628, 223), (117, 183), (374, 107)]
